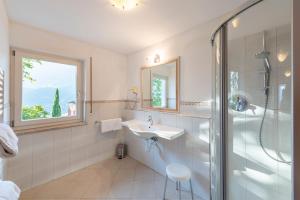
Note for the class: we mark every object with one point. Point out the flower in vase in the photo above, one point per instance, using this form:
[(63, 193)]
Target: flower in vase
[(134, 90)]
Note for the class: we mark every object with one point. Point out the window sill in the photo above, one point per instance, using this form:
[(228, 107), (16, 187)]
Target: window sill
[(28, 130)]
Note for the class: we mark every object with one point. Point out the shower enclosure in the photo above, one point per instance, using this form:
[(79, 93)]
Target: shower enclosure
[(251, 140)]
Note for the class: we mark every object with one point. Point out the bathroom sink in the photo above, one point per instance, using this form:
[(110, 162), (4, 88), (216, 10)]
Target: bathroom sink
[(142, 129), (145, 131)]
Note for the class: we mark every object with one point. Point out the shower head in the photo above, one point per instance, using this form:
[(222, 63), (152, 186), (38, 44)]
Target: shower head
[(262, 55), (265, 56)]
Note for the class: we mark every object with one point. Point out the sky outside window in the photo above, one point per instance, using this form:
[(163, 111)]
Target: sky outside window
[(47, 77)]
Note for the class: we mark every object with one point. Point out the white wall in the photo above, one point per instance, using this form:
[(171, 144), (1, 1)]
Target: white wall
[(192, 149), (48, 155), (194, 49), (4, 63), (108, 67)]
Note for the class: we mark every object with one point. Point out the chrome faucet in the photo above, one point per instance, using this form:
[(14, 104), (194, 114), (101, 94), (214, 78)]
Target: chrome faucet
[(150, 121)]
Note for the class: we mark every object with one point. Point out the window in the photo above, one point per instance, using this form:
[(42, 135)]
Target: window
[(46, 90), (159, 91), (234, 82)]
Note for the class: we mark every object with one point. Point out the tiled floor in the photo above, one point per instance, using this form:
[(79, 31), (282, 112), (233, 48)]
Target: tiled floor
[(111, 179)]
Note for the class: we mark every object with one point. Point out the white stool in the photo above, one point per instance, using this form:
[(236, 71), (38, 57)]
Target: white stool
[(178, 173)]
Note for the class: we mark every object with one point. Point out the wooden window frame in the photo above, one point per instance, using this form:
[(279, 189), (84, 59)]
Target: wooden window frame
[(22, 127)]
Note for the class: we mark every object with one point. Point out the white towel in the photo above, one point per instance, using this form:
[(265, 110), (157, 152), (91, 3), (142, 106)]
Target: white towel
[(8, 141), (111, 125), (9, 191)]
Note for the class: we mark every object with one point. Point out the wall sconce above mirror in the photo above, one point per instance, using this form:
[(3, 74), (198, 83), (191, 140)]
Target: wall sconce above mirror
[(160, 86)]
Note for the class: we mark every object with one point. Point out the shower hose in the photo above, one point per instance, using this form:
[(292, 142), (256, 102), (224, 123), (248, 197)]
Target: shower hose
[(280, 159)]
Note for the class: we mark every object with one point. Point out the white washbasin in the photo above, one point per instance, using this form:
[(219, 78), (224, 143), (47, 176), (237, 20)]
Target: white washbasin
[(142, 129)]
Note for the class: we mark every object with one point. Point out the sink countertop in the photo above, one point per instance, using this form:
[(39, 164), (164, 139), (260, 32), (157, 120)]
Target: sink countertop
[(161, 131)]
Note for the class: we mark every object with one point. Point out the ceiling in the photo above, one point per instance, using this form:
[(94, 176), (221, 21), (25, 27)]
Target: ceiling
[(97, 22)]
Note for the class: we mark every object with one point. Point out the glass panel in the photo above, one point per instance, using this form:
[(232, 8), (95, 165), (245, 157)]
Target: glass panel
[(215, 151), (259, 111), (48, 89)]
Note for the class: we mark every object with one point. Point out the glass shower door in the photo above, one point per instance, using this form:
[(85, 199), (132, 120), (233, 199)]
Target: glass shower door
[(251, 142)]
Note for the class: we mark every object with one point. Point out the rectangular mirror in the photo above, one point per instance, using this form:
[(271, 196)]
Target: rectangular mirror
[(160, 86)]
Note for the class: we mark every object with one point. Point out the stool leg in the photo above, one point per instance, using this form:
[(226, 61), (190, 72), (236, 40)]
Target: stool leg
[(179, 190), (191, 189), (176, 185), (165, 189)]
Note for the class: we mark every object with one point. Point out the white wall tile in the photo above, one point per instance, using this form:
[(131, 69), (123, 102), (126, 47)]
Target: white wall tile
[(156, 116), (43, 157), (62, 153), (19, 168), (169, 119), (139, 115), (79, 143), (185, 123), (127, 114), (191, 149), (52, 154)]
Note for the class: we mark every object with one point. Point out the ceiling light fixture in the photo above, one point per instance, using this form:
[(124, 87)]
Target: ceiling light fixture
[(125, 4), (156, 58)]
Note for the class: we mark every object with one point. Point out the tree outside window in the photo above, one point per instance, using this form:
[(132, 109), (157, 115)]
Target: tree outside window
[(31, 109), (157, 92)]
